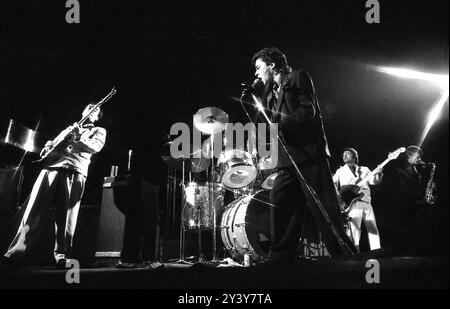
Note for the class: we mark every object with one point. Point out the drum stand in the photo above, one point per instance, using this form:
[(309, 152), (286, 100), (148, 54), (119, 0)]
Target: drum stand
[(212, 204), (182, 230), (199, 227)]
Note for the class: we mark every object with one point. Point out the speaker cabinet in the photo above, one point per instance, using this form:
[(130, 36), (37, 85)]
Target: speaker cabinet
[(128, 219), (112, 220)]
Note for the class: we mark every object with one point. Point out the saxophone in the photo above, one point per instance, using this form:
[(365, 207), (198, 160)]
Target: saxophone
[(431, 185)]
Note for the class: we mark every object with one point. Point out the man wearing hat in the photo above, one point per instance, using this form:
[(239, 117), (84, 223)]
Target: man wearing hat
[(361, 210)]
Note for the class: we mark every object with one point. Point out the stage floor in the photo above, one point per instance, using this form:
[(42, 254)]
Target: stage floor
[(394, 272)]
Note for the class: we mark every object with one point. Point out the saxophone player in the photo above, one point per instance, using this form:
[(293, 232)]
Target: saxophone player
[(404, 211)]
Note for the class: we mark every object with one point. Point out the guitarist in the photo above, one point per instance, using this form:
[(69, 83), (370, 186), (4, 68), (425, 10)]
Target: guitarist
[(60, 185), (360, 209)]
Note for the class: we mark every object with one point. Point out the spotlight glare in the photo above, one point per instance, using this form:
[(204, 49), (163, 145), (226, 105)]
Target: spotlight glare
[(258, 104), (440, 79), (434, 114)]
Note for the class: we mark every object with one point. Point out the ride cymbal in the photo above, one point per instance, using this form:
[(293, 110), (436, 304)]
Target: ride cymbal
[(210, 120)]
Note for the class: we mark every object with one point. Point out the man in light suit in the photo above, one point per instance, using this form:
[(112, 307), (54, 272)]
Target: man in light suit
[(361, 210), (60, 185)]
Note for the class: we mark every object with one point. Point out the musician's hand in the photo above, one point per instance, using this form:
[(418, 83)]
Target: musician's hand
[(46, 148), (378, 172), (75, 130)]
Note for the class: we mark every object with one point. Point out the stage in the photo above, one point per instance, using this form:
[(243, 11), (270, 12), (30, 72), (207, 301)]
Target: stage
[(326, 273)]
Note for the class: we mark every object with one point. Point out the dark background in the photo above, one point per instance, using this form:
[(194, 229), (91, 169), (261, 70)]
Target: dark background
[(169, 59)]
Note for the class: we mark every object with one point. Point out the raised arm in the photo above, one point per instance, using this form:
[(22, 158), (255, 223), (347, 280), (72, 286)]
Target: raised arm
[(92, 142)]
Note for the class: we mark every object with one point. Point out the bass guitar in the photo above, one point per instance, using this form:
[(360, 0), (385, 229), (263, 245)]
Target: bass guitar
[(351, 193)]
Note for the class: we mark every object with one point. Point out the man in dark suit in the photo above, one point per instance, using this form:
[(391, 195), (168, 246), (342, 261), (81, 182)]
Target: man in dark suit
[(290, 99), (404, 212)]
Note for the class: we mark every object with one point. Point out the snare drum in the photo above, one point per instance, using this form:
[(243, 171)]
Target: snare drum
[(197, 210), (237, 168), (245, 227)]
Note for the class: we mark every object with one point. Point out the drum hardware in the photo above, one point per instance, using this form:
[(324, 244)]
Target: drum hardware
[(211, 120), (197, 210), (269, 181), (182, 230), (248, 222), (185, 165), (237, 168), (199, 229), (189, 165)]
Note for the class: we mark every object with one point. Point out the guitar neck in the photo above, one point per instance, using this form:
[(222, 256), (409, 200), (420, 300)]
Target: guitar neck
[(104, 100), (372, 173)]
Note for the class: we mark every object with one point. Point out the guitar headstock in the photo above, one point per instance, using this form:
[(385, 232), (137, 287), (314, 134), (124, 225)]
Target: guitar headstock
[(394, 155)]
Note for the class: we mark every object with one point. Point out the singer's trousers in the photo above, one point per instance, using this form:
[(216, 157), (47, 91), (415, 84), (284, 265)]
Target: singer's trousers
[(59, 190), (291, 199)]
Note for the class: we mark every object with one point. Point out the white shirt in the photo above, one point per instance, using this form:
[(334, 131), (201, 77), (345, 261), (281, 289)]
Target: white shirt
[(344, 176)]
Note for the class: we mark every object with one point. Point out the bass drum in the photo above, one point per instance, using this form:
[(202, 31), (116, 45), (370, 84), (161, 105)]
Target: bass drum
[(245, 227)]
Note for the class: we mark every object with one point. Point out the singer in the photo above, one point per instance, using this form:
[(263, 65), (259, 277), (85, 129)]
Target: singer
[(59, 186), (291, 101)]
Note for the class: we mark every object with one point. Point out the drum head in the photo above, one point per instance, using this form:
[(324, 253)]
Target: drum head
[(237, 168), (239, 176), (198, 207), (258, 223), (246, 227)]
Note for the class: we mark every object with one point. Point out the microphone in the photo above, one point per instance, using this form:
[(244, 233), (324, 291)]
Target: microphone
[(253, 85), (248, 88), (420, 162)]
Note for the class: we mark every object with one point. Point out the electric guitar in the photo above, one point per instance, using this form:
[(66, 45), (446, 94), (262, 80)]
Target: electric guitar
[(349, 194), (64, 135)]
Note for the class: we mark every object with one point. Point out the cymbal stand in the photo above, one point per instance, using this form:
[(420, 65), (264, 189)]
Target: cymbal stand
[(211, 202), (199, 209), (182, 229)]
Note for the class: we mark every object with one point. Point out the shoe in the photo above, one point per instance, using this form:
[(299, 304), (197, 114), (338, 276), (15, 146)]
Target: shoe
[(61, 264), (7, 265), (153, 265), (127, 265)]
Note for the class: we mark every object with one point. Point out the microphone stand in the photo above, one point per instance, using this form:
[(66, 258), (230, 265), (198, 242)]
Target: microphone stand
[(344, 246)]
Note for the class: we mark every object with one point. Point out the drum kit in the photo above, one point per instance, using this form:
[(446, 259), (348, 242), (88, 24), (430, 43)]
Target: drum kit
[(244, 224)]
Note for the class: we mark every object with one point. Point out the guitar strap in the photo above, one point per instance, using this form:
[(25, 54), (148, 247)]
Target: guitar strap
[(353, 169)]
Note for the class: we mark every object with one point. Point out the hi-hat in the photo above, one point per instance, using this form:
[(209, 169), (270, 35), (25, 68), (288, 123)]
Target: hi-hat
[(191, 164), (210, 120)]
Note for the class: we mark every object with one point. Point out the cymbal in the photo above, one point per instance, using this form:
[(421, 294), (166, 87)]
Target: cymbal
[(210, 120), (191, 165)]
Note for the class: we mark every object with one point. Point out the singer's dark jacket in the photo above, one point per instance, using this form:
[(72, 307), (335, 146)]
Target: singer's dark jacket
[(299, 119), (300, 126)]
